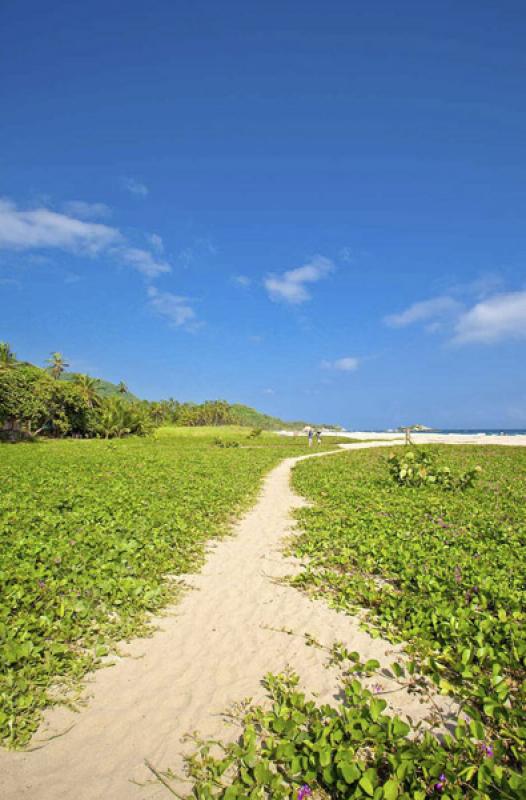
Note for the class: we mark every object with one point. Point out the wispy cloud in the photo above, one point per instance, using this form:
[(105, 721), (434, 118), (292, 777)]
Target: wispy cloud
[(201, 249), (186, 257), (82, 210), (37, 231), (345, 364), (42, 228), (488, 318), (156, 242), (241, 280), (143, 261), (135, 187), (174, 308), (346, 255), (436, 307), (10, 282), (486, 284), (290, 286), (500, 317)]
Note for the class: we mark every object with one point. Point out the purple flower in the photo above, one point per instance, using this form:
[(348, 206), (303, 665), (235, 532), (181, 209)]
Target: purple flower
[(487, 749), (442, 780), (377, 688), (304, 791)]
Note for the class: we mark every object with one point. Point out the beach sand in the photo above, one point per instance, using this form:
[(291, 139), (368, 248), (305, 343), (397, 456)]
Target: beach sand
[(518, 440), (212, 650)]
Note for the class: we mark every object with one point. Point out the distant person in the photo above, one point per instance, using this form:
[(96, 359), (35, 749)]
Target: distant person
[(318, 437), (310, 434)]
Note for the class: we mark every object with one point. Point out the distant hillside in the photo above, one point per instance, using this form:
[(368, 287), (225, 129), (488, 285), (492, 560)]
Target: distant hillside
[(104, 388), (244, 415), (93, 394)]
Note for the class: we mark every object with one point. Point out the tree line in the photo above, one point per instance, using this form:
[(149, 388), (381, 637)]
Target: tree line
[(46, 401)]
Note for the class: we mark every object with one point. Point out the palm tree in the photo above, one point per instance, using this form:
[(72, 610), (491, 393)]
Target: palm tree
[(122, 388), (57, 364), (88, 388), (113, 420), (118, 418), (7, 357)]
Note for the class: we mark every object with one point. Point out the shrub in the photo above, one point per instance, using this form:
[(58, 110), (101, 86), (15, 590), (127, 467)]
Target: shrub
[(418, 468)]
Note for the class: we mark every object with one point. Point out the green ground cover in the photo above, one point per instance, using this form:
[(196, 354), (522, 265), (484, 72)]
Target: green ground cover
[(89, 529), (439, 568), (444, 571)]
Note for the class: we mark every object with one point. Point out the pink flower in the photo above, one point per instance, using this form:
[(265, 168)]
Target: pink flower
[(304, 791), (439, 785)]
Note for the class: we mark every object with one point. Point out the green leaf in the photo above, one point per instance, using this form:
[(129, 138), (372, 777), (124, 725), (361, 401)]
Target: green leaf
[(400, 728), (368, 781), (350, 772), (391, 789)]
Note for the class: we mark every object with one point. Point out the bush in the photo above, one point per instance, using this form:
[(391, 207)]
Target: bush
[(418, 468), (225, 442)]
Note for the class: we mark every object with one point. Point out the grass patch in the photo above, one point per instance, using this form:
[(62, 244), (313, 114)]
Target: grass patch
[(89, 530), (435, 566), (443, 571)]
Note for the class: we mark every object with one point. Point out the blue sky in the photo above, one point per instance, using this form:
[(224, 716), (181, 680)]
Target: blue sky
[(314, 208)]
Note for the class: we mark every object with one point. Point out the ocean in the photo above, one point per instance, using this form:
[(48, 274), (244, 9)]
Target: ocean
[(474, 431)]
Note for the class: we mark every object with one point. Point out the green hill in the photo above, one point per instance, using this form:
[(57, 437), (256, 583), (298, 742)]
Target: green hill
[(22, 383), (104, 388), (249, 417)]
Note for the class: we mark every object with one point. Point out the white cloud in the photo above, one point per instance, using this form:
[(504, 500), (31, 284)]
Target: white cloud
[(82, 210), (269, 391), (486, 284), (174, 308), (290, 286), (156, 242), (135, 187), (241, 280), (143, 261), (491, 319), (346, 364), (434, 308), (502, 316), (42, 228)]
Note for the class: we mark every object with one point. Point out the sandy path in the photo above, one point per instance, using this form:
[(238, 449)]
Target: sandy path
[(212, 650)]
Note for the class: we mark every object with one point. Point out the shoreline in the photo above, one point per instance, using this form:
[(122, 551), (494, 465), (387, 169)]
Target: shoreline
[(510, 439)]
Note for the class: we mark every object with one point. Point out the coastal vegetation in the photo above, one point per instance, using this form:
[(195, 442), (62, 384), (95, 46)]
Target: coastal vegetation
[(438, 565), (113, 499), (55, 403), (92, 535)]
